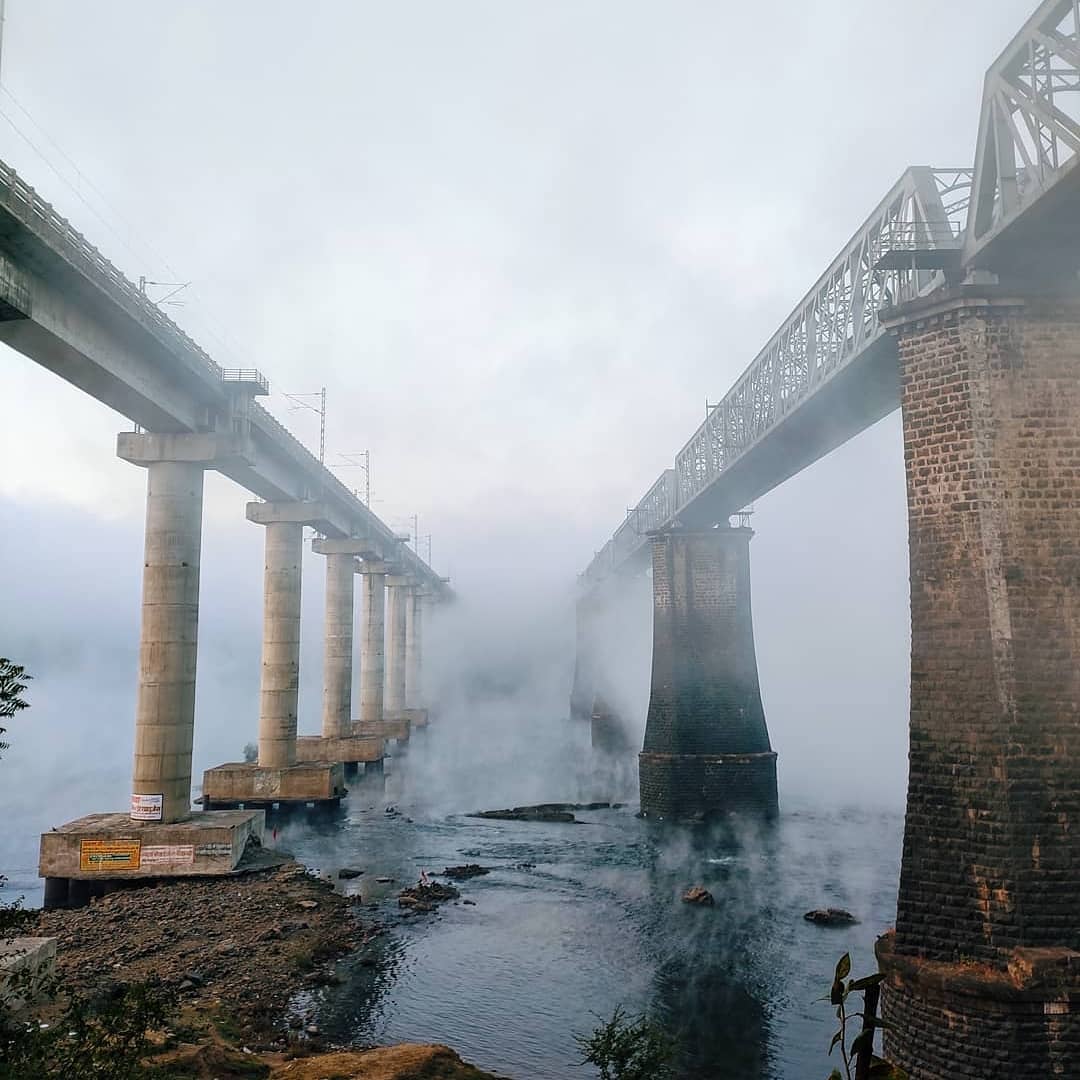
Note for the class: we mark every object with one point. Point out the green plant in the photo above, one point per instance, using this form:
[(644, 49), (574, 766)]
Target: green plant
[(13, 681), (105, 1038), (13, 917), (625, 1048), (858, 1059)]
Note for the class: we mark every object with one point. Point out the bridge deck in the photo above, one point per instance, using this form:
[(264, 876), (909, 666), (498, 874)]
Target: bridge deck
[(68, 308), (826, 374)]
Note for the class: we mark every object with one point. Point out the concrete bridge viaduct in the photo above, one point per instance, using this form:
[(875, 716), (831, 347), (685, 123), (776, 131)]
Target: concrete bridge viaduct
[(69, 309), (957, 301)]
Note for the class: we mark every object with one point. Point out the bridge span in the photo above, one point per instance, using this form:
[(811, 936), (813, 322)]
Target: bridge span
[(958, 302), (67, 308)]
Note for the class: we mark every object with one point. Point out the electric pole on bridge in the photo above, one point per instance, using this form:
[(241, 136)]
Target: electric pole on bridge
[(352, 461), (299, 401)]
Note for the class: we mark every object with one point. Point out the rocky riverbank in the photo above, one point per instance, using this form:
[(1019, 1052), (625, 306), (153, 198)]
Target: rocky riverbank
[(233, 953)]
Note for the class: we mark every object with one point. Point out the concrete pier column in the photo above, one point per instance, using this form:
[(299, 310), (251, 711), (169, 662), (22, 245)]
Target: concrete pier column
[(414, 645), (983, 970), (279, 690), (397, 588), (165, 700), (338, 653), (372, 641), (706, 749)]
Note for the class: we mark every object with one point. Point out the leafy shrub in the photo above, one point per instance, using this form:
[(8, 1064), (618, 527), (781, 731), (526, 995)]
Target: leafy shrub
[(103, 1038), (13, 681), (625, 1048)]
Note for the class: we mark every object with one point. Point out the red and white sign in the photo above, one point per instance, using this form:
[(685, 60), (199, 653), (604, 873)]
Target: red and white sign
[(168, 855), (147, 807)]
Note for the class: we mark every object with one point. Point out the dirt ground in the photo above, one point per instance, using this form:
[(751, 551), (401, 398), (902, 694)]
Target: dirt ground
[(405, 1062), (234, 951), (235, 948)]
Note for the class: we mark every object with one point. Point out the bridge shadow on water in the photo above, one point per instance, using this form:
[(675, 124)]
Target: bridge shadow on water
[(575, 920), (710, 990)]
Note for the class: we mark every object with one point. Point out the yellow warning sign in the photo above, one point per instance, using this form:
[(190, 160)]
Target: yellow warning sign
[(109, 854)]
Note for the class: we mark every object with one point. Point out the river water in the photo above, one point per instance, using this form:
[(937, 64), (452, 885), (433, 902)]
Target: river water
[(574, 920)]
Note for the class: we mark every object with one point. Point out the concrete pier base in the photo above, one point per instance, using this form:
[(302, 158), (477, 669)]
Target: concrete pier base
[(27, 966), (694, 785), (79, 859), (1024, 1016), (348, 749), (387, 728), (251, 785), (416, 718)]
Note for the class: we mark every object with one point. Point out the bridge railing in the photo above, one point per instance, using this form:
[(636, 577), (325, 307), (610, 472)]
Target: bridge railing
[(30, 208), (24, 203), (923, 216), (1029, 128), (251, 377), (833, 323)]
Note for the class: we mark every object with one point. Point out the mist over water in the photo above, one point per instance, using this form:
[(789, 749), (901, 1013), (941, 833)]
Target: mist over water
[(597, 920), (575, 920)]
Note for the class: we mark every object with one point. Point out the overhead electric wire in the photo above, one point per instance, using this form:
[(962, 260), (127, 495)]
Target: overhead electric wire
[(203, 312)]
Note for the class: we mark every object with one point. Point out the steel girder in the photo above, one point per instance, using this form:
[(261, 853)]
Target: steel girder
[(1029, 129), (898, 254)]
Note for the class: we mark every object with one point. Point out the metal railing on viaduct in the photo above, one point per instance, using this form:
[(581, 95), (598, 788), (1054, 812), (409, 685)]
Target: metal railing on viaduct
[(66, 306), (830, 371)]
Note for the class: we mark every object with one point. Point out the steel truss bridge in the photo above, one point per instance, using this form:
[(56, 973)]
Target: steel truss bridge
[(831, 369)]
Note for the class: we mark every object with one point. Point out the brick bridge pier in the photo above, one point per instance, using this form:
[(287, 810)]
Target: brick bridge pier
[(706, 749), (983, 969)]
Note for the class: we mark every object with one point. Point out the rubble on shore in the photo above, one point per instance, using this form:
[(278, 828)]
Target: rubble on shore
[(233, 953)]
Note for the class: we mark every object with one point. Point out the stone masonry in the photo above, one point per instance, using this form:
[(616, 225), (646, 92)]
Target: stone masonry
[(706, 749), (983, 971), (583, 688)]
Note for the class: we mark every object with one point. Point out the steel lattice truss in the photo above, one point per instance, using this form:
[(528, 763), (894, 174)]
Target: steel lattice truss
[(1029, 130), (1029, 142), (888, 261)]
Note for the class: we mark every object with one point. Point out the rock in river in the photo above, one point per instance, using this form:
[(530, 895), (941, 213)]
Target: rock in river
[(426, 897), (463, 873), (560, 812), (832, 916), (698, 894)]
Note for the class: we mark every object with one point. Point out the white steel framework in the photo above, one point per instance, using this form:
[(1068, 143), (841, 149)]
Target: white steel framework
[(919, 238), (901, 252), (1029, 130)]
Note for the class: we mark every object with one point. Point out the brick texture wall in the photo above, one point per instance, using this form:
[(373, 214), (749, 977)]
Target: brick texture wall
[(968, 1022), (706, 746), (991, 858)]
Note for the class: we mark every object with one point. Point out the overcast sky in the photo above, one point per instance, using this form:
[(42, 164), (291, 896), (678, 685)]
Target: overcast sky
[(520, 244)]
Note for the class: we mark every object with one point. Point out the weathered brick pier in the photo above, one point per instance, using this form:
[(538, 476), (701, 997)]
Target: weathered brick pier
[(984, 966), (706, 749)]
